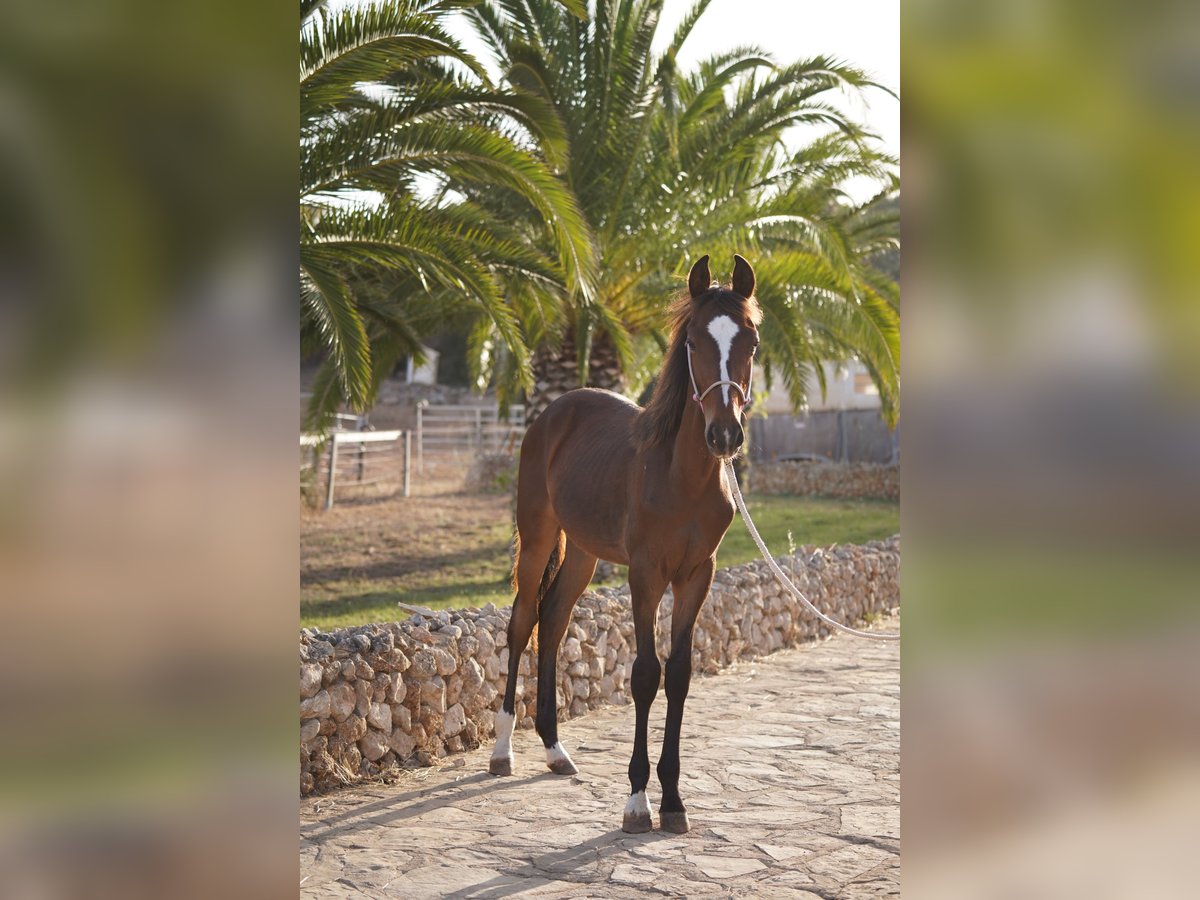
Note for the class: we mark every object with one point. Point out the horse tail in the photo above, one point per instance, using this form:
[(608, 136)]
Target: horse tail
[(552, 565), (548, 575), (516, 545)]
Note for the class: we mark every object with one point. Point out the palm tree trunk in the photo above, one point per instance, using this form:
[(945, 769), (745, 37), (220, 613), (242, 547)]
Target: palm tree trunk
[(557, 371)]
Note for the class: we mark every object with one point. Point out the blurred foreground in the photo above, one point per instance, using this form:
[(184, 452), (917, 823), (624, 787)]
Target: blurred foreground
[(1051, 441), (147, 401)]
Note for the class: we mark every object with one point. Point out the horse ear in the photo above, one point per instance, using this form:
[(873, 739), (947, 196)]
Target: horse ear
[(699, 279), (743, 277)]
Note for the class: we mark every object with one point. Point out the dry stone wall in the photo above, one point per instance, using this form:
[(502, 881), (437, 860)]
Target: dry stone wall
[(850, 481), (406, 693)]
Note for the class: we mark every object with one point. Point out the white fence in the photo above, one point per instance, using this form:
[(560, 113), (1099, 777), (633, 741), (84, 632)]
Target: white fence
[(467, 431), (446, 441), (358, 459)]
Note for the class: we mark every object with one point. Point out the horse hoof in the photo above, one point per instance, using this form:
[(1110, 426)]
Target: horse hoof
[(637, 823), (674, 822), (500, 765), (559, 761)]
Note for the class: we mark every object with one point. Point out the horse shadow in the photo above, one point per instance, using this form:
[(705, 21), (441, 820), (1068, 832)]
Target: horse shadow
[(557, 866), (416, 803)]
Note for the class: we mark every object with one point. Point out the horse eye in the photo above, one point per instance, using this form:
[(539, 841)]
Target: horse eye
[(690, 344)]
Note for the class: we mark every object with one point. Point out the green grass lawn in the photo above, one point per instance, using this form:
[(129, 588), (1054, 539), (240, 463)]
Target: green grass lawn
[(789, 522), (476, 572)]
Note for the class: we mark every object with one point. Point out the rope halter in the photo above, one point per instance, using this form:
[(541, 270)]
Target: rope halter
[(699, 397)]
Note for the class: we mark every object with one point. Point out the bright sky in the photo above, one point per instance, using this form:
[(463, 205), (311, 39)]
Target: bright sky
[(863, 33)]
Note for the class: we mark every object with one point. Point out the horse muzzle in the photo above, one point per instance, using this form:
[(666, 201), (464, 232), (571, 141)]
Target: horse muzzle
[(724, 439)]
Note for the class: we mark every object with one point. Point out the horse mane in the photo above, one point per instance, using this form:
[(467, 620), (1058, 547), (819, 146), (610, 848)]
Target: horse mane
[(658, 423)]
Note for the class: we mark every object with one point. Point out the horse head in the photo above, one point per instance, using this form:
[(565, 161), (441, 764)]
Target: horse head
[(722, 337)]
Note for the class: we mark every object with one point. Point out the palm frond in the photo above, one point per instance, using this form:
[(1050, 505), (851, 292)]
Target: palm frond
[(327, 303)]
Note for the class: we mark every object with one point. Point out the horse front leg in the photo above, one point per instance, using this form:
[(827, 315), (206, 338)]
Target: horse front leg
[(689, 597), (647, 591)]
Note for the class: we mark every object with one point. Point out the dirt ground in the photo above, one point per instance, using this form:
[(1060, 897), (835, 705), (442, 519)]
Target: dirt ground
[(366, 552), (394, 538)]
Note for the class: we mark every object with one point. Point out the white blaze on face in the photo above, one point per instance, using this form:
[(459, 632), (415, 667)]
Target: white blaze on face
[(724, 329)]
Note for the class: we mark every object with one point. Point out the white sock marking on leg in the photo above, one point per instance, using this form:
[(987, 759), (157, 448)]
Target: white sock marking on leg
[(723, 329), (556, 753), (638, 805), (504, 729)]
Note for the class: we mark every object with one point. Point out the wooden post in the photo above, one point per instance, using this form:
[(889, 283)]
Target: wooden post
[(420, 439), (360, 425), (332, 470), (407, 460)]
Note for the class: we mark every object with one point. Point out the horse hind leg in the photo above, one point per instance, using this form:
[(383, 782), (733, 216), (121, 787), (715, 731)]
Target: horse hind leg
[(554, 615), (540, 549)]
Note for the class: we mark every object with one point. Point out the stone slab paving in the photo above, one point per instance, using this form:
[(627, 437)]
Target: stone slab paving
[(791, 775)]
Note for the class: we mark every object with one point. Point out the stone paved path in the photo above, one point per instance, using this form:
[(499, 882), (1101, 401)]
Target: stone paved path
[(791, 775)]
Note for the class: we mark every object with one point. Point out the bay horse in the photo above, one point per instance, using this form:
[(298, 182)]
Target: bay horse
[(602, 478)]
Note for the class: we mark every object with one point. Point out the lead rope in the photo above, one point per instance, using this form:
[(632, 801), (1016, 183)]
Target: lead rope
[(782, 577)]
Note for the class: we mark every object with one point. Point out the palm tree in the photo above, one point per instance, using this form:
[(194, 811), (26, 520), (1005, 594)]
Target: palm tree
[(399, 125), (667, 166)]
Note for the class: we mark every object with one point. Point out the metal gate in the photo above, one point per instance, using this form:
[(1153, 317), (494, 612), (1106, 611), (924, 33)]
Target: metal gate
[(464, 432)]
